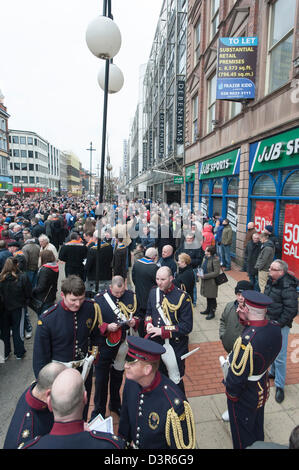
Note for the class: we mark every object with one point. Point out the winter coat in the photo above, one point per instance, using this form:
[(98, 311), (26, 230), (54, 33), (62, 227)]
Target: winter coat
[(37, 230), (283, 292), (227, 235), (194, 253), (31, 252), (265, 257), (230, 328), (218, 231), (208, 286), (15, 293), (47, 276), (119, 262), (252, 252), (4, 254), (169, 262), (144, 278), (208, 237), (185, 280), (105, 254)]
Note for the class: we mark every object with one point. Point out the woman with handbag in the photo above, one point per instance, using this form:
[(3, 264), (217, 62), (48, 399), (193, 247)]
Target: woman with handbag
[(45, 291), (15, 292), (208, 288)]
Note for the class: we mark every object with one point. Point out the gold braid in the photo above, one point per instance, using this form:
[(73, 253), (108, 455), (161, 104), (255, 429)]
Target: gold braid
[(166, 306), (248, 353), (174, 421), (126, 310), (98, 315)]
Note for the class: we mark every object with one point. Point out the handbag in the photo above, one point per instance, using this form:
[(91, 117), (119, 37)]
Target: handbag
[(38, 305), (221, 278)]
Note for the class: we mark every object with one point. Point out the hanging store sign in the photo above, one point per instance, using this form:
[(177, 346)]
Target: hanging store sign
[(161, 134), (227, 164), (278, 151), (190, 173), (263, 215), (180, 112), (178, 179), (236, 68), (290, 243)]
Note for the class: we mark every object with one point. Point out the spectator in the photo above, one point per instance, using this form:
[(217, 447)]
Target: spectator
[(120, 258), (248, 237), (31, 252), (184, 279), (4, 254), (191, 248), (18, 233), (47, 278), (208, 287), (252, 252), (46, 245), (104, 255), (282, 289), (274, 240), (138, 252), (146, 240), (37, 230), (73, 254), (15, 290), (264, 260), (226, 242), (167, 259), (218, 237)]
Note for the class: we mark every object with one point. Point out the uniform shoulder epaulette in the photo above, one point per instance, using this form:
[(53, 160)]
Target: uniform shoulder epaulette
[(50, 310), (29, 444), (89, 300), (117, 441)]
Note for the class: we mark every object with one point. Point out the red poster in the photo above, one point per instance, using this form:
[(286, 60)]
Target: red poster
[(263, 215), (290, 244)]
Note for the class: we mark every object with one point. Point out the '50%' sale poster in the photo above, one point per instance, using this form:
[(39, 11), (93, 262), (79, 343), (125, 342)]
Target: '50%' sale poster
[(290, 244)]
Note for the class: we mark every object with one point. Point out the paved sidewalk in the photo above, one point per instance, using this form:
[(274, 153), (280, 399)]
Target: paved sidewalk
[(203, 380)]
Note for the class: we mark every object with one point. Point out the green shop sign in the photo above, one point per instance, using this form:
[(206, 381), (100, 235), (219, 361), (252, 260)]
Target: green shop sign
[(278, 151), (190, 173), (178, 179), (227, 164)]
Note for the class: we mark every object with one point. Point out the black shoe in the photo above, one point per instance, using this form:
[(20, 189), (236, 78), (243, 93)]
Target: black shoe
[(114, 409), (205, 312), (210, 316), (279, 395)]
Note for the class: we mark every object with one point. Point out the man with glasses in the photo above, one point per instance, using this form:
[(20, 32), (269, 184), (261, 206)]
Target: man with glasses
[(155, 413), (282, 289)]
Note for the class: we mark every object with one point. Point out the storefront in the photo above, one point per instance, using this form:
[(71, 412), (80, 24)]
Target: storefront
[(218, 188), (274, 190), (190, 179)]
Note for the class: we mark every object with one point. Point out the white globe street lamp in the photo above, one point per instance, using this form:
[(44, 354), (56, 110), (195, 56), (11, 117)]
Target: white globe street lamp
[(116, 78), (103, 37)]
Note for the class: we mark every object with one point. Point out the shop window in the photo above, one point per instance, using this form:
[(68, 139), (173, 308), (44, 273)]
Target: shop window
[(281, 42), (205, 188), (233, 186), (264, 186), (217, 188), (291, 186)]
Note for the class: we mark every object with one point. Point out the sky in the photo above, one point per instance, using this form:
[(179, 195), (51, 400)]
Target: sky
[(48, 76)]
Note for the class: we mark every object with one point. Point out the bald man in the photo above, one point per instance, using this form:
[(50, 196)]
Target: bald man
[(167, 259), (169, 320), (67, 401), (32, 416)]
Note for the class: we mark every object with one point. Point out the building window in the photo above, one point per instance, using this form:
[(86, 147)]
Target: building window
[(30, 153), (214, 17), (24, 166), (23, 140), (24, 153), (280, 42), (31, 179), (16, 166), (196, 43), (235, 108), (211, 102), (30, 140), (15, 139), (194, 118)]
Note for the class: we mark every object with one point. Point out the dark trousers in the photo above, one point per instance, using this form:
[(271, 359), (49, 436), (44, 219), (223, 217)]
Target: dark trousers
[(211, 304), (13, 320), (104, 371), (246, 424)]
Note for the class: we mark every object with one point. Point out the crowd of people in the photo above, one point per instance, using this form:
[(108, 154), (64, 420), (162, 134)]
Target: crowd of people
[(130, 277)]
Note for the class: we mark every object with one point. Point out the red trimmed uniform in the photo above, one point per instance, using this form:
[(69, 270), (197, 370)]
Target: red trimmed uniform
[(71, 435), (246, 391), (31, 418)]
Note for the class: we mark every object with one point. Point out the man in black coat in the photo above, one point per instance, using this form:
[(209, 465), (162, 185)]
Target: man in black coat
[(144, 278), (32, 417), (104, 254), (36, 228), (73, 253), (282, 289), (252, 252)]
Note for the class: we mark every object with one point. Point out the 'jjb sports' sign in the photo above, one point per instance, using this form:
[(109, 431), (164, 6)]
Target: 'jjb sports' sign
[(278, 151)]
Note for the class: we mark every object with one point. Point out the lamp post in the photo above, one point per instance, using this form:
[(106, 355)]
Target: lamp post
[(103, 39), (90, 166), (21, 183)]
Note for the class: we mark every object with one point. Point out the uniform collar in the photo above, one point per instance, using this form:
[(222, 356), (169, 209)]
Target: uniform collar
[(154, 384), (168, 290), (263, 322), (34, 402), (63, 429)]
